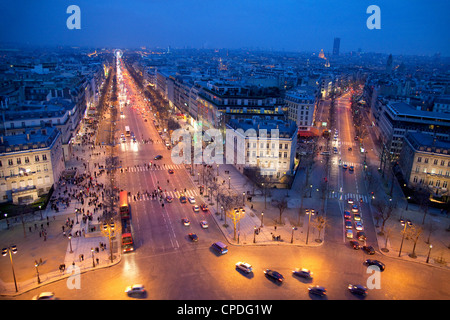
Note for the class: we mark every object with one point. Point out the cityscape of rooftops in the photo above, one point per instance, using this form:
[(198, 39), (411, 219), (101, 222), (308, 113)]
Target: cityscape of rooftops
[(225, 157)]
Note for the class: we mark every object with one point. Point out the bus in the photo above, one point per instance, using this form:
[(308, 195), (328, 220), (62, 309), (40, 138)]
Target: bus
[(127, 242), (127, 131), (124, 208)]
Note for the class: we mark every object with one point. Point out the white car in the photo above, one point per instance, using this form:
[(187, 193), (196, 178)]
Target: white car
[(204, 224), (196, 208), (191, 200), (45, 296), (359, 226), (135, 288), (349, 234), (244, 266)]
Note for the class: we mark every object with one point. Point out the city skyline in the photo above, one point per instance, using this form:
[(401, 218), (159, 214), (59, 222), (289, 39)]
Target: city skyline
[(406, 27)]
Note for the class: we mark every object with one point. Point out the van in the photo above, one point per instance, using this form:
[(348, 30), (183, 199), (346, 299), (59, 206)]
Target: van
[(220, 247)]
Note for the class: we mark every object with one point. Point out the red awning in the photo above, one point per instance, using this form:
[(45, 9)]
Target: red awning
[(306, 133)]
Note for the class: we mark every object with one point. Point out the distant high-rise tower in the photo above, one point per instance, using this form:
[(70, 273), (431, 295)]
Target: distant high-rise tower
[(389, 64), (336, 45)]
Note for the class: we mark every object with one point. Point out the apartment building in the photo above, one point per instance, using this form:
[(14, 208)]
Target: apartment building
[(301, 105), (268, 145), (30, 164), (425, 163), (399, 118)]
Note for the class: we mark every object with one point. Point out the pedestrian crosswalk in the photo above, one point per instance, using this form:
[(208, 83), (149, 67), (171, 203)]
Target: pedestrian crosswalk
[(140, 168), (174, 194), (345, 196), (350, 164)]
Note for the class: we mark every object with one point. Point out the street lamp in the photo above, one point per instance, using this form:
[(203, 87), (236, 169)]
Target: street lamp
[(229, 182), (262, 219), (243, 198), (36, 265), (108, 230), (6, 251), (92, 252), (292, 235), (405, 224), (309, 213), (407, 202), (254, 234), (70, 242), (429, 251)]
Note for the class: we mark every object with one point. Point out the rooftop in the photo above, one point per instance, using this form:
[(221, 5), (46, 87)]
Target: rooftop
[(287, 129), (427, 143), (32, 139)]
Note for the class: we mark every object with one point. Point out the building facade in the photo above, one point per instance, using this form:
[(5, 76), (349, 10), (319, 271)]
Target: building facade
[(425, 164), (30, 164), (267, 145), (301, 105)]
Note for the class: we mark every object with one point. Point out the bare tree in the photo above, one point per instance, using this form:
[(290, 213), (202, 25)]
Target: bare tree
[(384, 211), (319, 223), (414, 233), (388, 230), (281, 205), (423, 198)]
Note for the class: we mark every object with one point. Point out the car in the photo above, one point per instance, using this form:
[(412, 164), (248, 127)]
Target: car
[(356, 138), (359, 226), (369, 250), (158, 157), (361, 236), (204, 224), (357, 217), (274, 275), (183, 199), (134, 140), (355, 244), (351, 168), (319, 290), (185, 221), (349, 149), (357, 289), (135, 289), (350, 200), (196, 208), (303, 272), (204, 207), (45, 296), (379, 264), (244, 266), (355, 208), (349, 234), (191, 200), (347, 215), (193, 237), (344, 166), (169, 199), (170, 171), (348, 224)]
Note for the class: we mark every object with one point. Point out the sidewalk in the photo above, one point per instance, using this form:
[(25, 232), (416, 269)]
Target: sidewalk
[(264, 217), (55, 250)]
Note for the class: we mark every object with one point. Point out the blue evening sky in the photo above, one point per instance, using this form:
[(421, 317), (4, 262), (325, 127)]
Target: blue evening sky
[(407, 27)]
